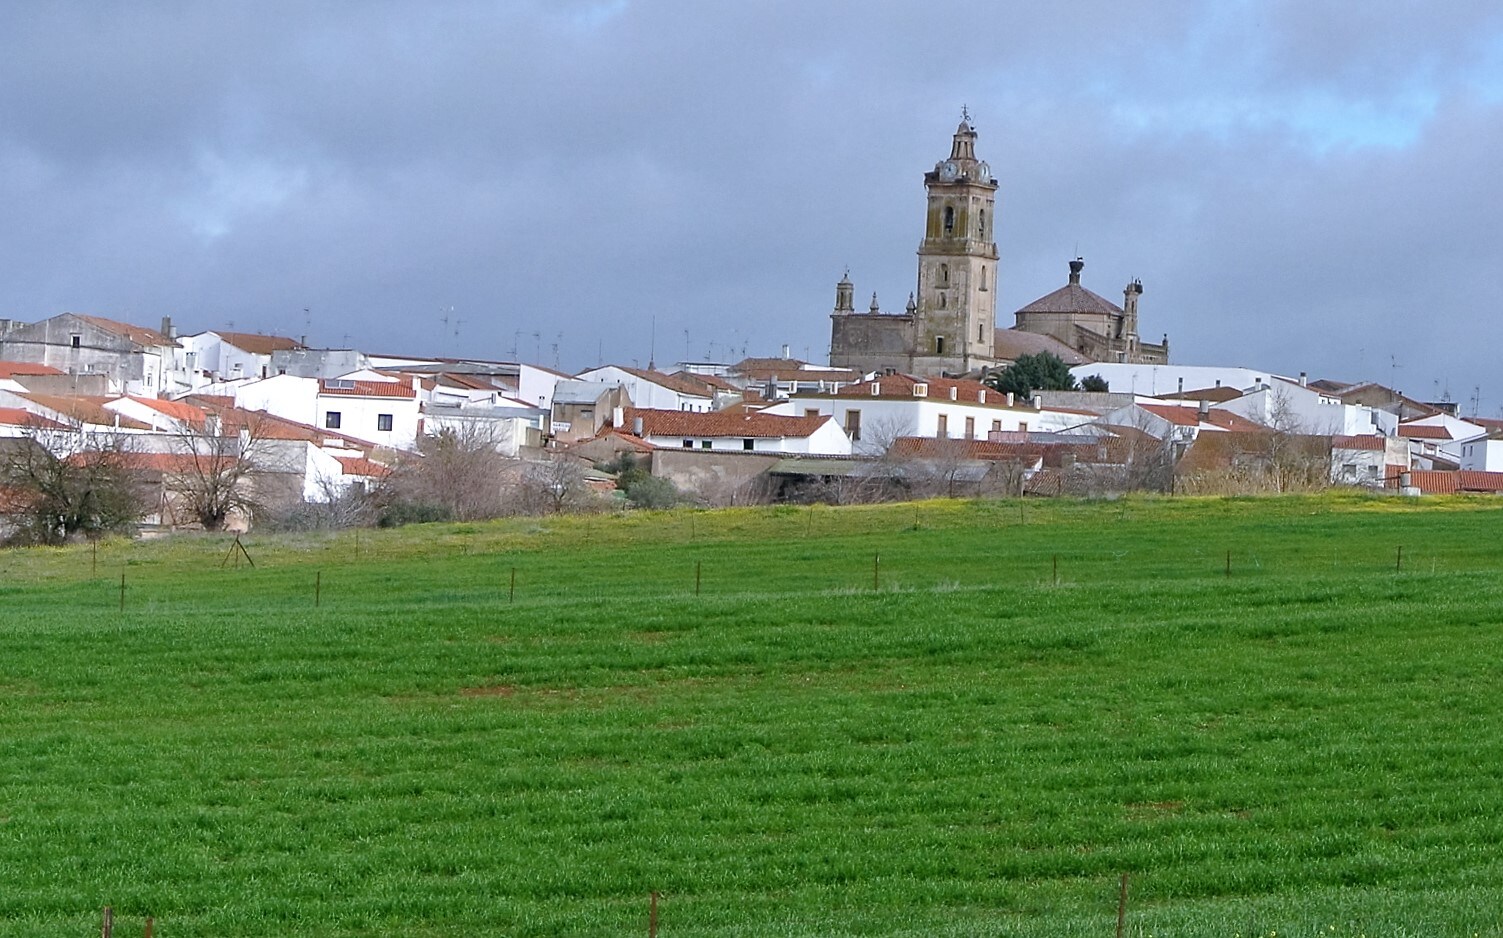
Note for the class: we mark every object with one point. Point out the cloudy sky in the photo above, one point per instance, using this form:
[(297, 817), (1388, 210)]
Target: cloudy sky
[(1300, 184)]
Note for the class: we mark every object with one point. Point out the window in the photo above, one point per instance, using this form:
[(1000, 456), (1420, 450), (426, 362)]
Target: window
[(688, 444), (77, 341), (970, 428), (981, 227), (853, 424), (383, 421), (982, 288), (939, 345), (996, 426), (331, 420), (949, 219), (944, 275), (811, 411), (704, 444), (980, 332), (943, 430), (748, 443)]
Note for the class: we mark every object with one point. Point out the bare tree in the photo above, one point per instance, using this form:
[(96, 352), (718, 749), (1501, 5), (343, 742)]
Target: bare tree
[(551, 485), (220, 469), (455, 474), (879, 435), (60, 483), (1297, 461)]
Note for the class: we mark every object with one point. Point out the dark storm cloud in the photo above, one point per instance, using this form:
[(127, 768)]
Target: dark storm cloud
[(1299, 187)]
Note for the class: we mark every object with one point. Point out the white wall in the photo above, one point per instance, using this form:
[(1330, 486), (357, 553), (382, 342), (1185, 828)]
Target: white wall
[(1482, 454), (1158, 380), (828, 440), (885, 419), (645, 393), (285, 396), (359, 416)]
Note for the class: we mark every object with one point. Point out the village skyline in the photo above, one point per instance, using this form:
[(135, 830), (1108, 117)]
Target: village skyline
[(1297, 189)]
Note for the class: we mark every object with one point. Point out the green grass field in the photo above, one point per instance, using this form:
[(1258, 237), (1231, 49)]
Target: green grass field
[(1311, 745)]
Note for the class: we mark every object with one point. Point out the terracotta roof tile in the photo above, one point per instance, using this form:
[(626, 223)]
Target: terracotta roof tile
[(936, 389), (1010, 344), (137, 334), (722, 424), (16, 417), (1190, 417), (1072, 298), (89, 410), (259, 344), (1446, 482), (177, 410), (26, 369), (1358, 442), (1412, 432), (360, 466), (367, 388)]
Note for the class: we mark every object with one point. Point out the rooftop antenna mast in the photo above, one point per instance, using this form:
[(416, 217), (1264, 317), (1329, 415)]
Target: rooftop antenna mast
[(652, 345)]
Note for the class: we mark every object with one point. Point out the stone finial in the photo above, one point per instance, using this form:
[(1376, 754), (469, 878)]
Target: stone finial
[(875, 308)]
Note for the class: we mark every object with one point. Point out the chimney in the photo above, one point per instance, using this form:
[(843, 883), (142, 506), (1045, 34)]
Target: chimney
[(1205, 409), (636, 426), (168, 329), (787, 350), (1304, 380), (1076, 266), (1009, 398), (618, 416), (954, 393), (1181, 385)]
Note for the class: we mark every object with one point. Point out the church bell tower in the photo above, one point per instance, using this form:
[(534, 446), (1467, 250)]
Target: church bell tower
[(956, 318)]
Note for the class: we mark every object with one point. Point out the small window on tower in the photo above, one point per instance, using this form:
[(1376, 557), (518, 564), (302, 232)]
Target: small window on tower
[(983, 279), (939, 345), (981, 225), (949, 219), (944, 275), (981, 332)]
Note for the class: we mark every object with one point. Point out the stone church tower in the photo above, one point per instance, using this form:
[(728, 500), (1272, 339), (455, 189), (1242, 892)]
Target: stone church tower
[(949, 324), (956, 317)]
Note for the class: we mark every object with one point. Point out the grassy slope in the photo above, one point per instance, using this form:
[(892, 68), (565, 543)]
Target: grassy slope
[(1310, 745)]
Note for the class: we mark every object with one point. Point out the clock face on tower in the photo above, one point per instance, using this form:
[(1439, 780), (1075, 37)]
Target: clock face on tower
[(948, 170)]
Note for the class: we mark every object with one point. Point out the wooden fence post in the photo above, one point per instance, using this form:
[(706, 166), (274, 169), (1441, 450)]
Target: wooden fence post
[(1122, 906)]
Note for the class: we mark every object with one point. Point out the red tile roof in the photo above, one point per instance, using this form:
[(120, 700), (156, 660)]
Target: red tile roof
[(90, 410), (360, 466), (1358, 442), (177, 410), (937, 389), (137, 334), (16, 417), (1423, 432), (1446, 482), (720, 423), (369, 389), (258, 344), (12, 369), (1010, 344), (1190, 417)]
